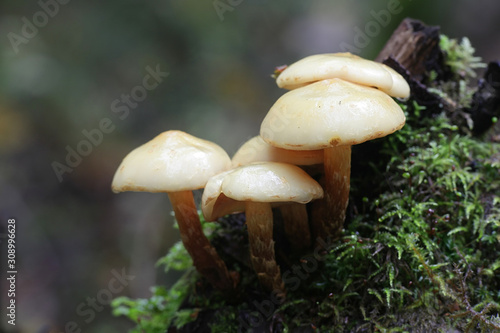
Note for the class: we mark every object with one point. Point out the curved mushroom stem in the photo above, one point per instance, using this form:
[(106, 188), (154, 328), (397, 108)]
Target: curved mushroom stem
[(330, 217), (260, 237), (205, 258), (295, 223)]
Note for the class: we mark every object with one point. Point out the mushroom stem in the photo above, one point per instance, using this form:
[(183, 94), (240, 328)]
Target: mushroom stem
[(259, 217), (205, 258), (295, 223), (337, 164)]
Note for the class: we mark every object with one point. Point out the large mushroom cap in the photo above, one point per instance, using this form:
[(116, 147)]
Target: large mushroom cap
[(330, 113), (345, 66), (258, 182), (257, 150), (173, 161)]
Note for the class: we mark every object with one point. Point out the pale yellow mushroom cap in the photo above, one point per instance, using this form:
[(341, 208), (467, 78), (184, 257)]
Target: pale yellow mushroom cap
[(330, 113), (257, 150), (173, 161), (214, 203), (344, 66), (259, 182)]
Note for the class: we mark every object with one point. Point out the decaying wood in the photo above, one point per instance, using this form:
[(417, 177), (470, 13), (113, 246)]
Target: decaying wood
[(415, 46), (413, 51), (485, 104)]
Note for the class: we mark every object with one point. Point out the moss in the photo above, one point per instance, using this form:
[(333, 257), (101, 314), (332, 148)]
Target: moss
[(420, 251), (459, 56), (161, 310)]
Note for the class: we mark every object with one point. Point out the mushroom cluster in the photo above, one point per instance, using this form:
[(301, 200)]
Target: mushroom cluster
[(335, 101)]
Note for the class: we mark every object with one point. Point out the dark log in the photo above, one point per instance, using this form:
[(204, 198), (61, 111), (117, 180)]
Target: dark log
[(415, 46), (419, 92), (486, 100), (413, 51)]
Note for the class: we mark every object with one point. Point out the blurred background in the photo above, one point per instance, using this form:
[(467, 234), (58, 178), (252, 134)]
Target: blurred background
[(83, 83)]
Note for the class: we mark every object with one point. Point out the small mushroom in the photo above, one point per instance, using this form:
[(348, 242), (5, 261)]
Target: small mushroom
[(332, 115), (258, 150), (344, 66), (294, 215), (255, 188), (177, 163)]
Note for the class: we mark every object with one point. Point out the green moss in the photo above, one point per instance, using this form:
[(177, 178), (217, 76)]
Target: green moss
[(420, 252), (177, 259), (459, 56), (156, 314)]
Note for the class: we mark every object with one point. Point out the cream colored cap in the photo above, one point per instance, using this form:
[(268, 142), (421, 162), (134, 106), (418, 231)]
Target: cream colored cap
[(260, 182), (173, 161), (344, 66), (330, 113), (257, 150), (214, 203)]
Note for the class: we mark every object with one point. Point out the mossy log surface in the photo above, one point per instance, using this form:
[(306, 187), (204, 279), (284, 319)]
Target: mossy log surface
[(420, 249)]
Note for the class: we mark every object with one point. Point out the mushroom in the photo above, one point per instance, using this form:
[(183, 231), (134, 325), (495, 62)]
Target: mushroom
[(177, 163), (331, 115), (344, 66), (294, 215), (258, 150), (255, 188)]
